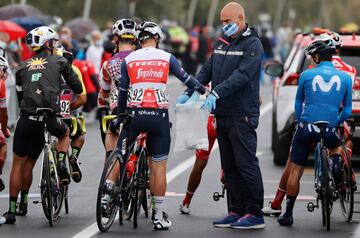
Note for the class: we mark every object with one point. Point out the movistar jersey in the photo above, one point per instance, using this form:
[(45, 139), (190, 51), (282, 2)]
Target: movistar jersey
[(320, 93)]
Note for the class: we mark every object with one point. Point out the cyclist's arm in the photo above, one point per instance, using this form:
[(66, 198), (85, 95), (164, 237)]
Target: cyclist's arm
[(187, 79), (299, 99), (3, 108), (124, 83), (70, 77), (80, 98), (347, 102), (204, 76)]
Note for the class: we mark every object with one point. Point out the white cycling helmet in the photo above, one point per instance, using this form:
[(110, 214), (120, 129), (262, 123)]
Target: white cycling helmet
[(3, 62), (149, 27), (335, 37), (125, 29), (37, 37)]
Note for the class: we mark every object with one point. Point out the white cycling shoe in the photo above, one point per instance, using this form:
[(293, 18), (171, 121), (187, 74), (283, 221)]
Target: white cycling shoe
[(185, 209), (269, 211), (2, 220), (163, 224)]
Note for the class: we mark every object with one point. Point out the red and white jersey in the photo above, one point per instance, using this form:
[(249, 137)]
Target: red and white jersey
[(341, 65), (3, 94), (148, 71), (109, 73)]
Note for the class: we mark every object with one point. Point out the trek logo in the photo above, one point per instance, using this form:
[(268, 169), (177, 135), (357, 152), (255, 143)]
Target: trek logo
[(36, 64), (326, 86), (149, 63)]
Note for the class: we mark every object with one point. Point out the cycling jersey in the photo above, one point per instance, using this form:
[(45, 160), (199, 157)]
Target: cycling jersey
[(38, 82), (108, 78), (67, 95), (322, 90), (3, 103), (146, 73), (341, 65)]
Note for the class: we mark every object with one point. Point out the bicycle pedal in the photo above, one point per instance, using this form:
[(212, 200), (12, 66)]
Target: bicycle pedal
[(36, 202)]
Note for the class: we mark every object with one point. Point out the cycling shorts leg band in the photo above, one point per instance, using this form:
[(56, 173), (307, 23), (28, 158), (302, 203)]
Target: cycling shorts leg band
[(159, 158)]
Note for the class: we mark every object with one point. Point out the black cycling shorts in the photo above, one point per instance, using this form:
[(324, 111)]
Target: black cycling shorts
[(155, 122), (29, 134), (69, 124)]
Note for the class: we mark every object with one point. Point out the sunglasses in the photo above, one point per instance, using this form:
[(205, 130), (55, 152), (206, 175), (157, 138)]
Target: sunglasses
[(3, 69)]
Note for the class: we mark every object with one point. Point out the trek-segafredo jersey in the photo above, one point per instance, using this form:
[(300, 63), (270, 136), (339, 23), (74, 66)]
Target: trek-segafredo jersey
[(321, 92), (148, 71)]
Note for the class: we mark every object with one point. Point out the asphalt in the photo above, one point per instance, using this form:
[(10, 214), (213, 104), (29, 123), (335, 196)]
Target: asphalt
[(80, 222)]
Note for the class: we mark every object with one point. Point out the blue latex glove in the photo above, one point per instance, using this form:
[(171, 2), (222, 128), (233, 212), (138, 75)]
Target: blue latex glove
[(210, 103), (182, 99)]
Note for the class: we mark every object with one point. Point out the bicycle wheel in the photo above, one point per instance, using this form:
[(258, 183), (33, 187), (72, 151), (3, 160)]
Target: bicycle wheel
[(57, 188), (347, 190), (46, 189), (140, 186), (326, 189), (108, 202), (66, 202)]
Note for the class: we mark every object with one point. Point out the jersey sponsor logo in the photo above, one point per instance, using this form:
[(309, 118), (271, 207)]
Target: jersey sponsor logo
[(148, 63), (326, 86), (36, 64), (149, 73), (35, 77)]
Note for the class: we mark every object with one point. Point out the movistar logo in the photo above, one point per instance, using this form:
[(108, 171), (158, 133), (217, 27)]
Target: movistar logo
[(326, 86)]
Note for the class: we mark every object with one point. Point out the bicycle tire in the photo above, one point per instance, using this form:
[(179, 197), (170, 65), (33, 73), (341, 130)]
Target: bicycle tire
[(66, 202), (58, 191), (113, 160), (326, 187), (46, 192), (135, 207), (347, 197)]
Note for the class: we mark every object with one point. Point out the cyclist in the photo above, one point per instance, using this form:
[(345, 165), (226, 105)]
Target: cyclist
[(38, 83), (125, 34), (274, 207), (4, 132), (321, 92), (144, 77), (69, 105)]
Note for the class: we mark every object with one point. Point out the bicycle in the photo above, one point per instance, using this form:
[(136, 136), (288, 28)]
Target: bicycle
[(325, 186), (52, 192), (129, 187)]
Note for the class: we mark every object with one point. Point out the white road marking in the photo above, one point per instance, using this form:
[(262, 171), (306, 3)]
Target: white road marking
[(299, 197), (171, 175), (31, 195)]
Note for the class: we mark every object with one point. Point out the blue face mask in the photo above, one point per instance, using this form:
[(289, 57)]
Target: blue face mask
[(230, 29)]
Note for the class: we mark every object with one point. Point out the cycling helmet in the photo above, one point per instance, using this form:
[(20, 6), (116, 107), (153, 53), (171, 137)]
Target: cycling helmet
[(336, 38), (320, 47), (3, 62), (125, 29), (37, 37), (152, 29)]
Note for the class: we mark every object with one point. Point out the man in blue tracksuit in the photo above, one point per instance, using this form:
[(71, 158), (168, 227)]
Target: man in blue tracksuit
[(234, 69), (321, 92)]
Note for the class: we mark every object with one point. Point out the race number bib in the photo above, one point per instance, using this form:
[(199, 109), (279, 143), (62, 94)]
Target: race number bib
[(113, 99), (162, 98), (65, 100), (136, 96)]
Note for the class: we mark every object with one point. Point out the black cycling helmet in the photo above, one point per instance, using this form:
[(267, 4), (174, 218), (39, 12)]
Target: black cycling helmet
[(320, 47)]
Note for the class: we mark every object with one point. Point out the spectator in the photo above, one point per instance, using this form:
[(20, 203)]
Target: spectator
[(67, 41), (268, 51), (95, 50), (203, 46), (284, 37)]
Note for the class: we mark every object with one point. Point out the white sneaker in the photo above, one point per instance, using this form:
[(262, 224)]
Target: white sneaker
[(162, 224), (2, 220), (269, 211), (185, 209)]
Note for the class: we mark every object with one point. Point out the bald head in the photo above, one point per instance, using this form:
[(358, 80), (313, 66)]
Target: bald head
[(233, 12)]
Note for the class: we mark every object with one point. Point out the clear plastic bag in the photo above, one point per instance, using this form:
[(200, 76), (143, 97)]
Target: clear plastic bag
[(191, 127)]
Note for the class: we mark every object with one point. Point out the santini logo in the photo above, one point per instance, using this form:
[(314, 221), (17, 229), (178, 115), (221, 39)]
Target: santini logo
[(326, 86)]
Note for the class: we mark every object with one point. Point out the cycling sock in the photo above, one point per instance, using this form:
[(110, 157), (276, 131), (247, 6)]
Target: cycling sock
[(12, 204), (188, 197), (61, 155), (279, 197), (75, 152), (24, 196), (290, 202), (159, 204)]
